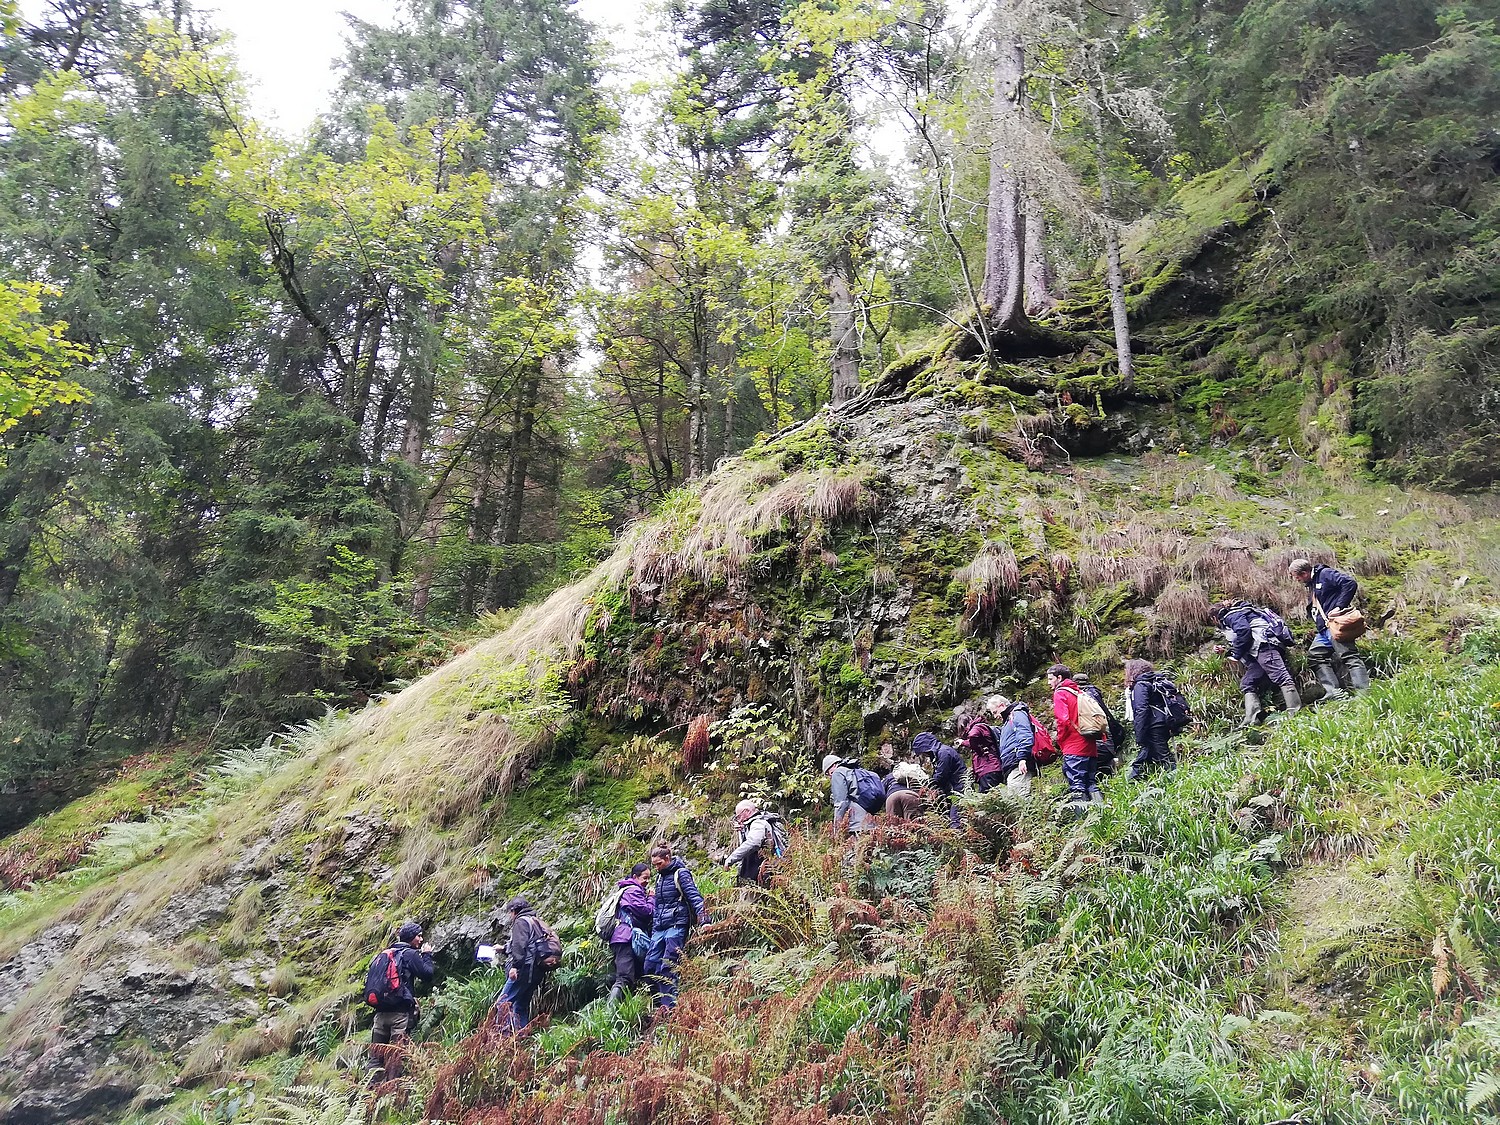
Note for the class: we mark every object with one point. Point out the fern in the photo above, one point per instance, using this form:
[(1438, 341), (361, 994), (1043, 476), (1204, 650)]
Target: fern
[(309, 1105)]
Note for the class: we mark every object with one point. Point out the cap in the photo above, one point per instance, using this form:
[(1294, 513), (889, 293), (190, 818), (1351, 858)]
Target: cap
[(408, 931), (829, 761)]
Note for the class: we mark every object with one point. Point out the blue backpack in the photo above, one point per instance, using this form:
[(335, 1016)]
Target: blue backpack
[(869, 790)]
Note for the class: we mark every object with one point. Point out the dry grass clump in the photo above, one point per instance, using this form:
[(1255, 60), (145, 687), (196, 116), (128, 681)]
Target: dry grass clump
[(695, 745), (990, 581), (423, 851), (1180, 614)]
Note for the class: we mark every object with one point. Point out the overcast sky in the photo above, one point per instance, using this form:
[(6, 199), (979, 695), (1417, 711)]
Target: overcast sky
[(287, 47)]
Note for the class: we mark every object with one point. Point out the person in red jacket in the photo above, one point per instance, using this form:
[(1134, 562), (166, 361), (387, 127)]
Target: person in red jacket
[(1079, 755)]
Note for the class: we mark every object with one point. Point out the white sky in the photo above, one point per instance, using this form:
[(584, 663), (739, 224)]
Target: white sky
[(288, 47)]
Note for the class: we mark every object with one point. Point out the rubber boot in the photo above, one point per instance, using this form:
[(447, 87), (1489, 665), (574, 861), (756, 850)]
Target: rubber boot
[(1255, 711), (1292, 697), (616, 994), (1329, 678), (1359, 675)]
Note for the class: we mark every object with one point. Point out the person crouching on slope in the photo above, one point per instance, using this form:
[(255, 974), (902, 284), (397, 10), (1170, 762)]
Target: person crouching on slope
[(679, 907), (947, 770), (1079, 757)]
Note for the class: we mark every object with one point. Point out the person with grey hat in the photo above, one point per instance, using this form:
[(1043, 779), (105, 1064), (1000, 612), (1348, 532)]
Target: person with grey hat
[(389, 987), (849, 814)]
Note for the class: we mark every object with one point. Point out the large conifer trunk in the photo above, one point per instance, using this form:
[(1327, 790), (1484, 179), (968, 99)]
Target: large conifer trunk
[(1005, 237)]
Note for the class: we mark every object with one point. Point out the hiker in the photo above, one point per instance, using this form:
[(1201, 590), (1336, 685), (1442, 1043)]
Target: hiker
[(1112, 745), (1148, 707), (857, 794), (630, 939), (526, 964), (677, 909), (947, 770), (1331, 595), (1015, 743), (903, 788), (976, 736), (1079, 752), (757, 829), (1258, 639), (388, 988)]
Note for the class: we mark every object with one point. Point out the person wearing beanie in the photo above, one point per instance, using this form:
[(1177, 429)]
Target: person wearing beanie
[(396, 1014), (756, 829), (513, 1006)]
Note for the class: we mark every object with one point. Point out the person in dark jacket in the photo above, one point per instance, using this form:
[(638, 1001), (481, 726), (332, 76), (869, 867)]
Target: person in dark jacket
[(634, 915), (947, 769), (1330, 591), (1014, 743), (1079, 755), (977, 738), (513, 1006), (678, 908), (1109, 748), (413, 958), (1152, 736), (1254, 641)]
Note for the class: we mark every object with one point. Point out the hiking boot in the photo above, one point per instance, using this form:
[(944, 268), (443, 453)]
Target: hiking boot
[(1329, 678), (1359, 675), (1255, 711)]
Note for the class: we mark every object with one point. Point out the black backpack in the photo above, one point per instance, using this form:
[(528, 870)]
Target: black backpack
[(386, 989), (1168, 700), (543, 949)]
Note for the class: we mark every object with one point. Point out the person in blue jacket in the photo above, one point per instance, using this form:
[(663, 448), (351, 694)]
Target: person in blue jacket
[(1017, 736), (1330, 591), (678, 908), (1258, 638)]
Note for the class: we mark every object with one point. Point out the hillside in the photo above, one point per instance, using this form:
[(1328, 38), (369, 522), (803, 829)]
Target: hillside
[(1296, 928)]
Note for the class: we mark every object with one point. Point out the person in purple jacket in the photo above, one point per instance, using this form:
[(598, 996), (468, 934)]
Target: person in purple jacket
[(636, 906)]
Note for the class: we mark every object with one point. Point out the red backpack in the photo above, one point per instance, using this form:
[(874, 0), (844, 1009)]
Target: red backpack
[(1043, 749), (384, 988)]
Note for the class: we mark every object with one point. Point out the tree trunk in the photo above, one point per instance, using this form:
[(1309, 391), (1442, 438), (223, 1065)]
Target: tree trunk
[(1114, 275), (96, 692), (697, 421), (843, 332), (1040, 297), (503, 584), (1004, 249)]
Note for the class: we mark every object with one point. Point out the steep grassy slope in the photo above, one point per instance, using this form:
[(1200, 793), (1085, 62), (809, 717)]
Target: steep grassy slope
[(954, 530)]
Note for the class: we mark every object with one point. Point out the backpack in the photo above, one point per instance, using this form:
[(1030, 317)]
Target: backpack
[(1116, 731), (777, 835), (1168, 700), (691, 910), (1043, 749), (543, 950), (869, 790), (1093, 723), (1269, 627), (385, 990), (607, 917)]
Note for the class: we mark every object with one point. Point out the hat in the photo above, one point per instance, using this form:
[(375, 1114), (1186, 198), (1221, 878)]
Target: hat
[(829, 761), (408, 931)]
